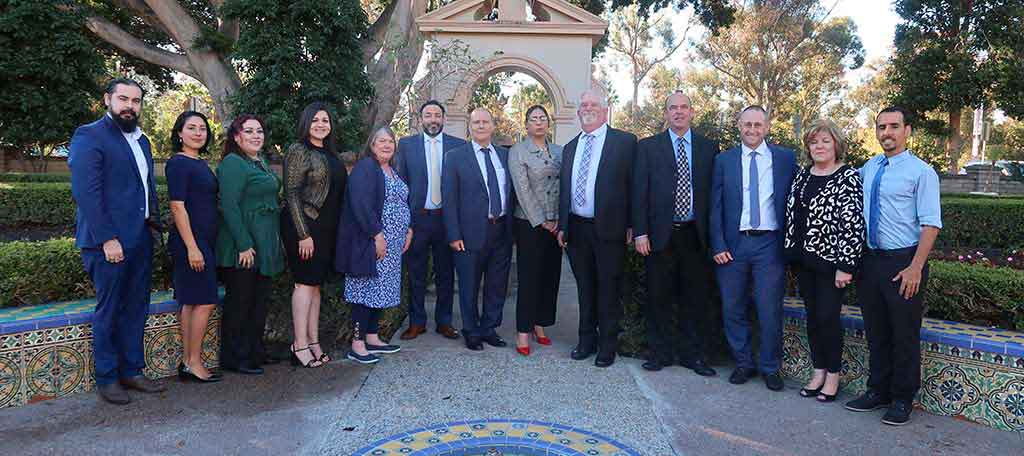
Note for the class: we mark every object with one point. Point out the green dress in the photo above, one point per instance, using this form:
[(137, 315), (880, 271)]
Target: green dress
[(249, 214)]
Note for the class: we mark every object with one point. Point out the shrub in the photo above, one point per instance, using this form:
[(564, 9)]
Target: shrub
[(48, 204), (50, 177), (982, 222)]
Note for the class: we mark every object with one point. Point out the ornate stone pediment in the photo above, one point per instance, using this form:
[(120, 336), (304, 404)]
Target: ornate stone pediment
[(545, 17)]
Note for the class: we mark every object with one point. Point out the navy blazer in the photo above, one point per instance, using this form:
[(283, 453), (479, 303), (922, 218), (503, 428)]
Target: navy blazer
[(612, 189), (411, 164), (355, 253), (464, 190), (654, 187), (107, 187), (727, 194)]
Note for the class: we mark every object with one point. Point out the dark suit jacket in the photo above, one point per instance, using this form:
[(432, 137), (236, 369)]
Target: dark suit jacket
[(355, 253), (464, 190), (107, 187), (727, 194), (654, 186), (411, 163), (612, 189)]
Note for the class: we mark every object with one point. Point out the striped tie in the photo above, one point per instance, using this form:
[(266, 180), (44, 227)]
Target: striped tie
[(580, 192)]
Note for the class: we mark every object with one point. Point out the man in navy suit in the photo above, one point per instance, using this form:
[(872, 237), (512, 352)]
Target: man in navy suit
[(419, 161), (671, 193), (113, 186), (749, 188), (478, 199), (594, 220)]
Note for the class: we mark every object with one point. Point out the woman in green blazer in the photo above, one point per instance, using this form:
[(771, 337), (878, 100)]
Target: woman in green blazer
[(248, 244)]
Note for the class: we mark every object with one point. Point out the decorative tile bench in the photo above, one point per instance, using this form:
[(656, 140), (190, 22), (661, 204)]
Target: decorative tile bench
[(46, 350), (969, 372)]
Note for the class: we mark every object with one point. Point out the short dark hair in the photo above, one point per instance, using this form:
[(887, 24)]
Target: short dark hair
[(908, 120), (232, 147), (754, 107), (179, 126), (113, 83), (534, 108), (432, 103), (306, 121)]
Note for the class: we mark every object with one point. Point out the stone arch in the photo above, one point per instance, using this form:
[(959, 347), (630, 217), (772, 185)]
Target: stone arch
[(563, 110)]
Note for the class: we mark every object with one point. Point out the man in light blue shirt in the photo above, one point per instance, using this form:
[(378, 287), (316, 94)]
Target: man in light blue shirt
[(901, 208)]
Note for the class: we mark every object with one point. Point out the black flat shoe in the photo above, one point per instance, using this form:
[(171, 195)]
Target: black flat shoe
[(186, 375), (244, 370), (377, 349), (652, 365), (369, 358)]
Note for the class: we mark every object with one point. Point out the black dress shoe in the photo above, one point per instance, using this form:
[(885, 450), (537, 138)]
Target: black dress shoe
[(652, 365), (581, 353), (700, 367), (271, 359), (495, 341), (245, 370), (898, 413), (604, 360), (473, 343), (741, 375), (868, 401), (774, 381), (113, 394)]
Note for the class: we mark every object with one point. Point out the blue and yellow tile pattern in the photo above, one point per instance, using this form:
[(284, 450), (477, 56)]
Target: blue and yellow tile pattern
[(498, 437)]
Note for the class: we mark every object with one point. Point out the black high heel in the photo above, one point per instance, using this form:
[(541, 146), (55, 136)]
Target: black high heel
[(822, 397), (804, 392), (298, 362), (324, 357)]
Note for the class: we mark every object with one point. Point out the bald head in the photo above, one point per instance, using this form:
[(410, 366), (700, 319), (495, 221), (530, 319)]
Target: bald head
[(678, 112), (481, 126)]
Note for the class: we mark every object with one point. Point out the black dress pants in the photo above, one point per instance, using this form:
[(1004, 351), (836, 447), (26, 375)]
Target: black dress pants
[(824, 305), (538, 266), (597, 265), (892, 324), (678, 291), (243, 317)]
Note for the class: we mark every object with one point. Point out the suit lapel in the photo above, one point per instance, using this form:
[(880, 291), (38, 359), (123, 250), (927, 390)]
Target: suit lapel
[(700, 163), (778, 179), (606, 160), (126, 149)]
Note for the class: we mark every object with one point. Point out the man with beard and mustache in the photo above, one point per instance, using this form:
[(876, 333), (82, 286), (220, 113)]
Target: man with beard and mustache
[(113, 186), (902, 212), (594, 223), (419, 161)]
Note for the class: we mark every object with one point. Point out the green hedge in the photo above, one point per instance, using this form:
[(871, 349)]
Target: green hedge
[(50, 177), (982, 223), (47, 271), (48, 204)]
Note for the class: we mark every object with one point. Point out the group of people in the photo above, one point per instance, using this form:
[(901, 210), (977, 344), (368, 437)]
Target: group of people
[(440, 206)]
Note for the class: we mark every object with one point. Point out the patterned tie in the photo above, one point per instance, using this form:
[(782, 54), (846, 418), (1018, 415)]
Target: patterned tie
[(874, 209), (755, 193), (580, 192), (493, 192), (682, 181), (435, 174)]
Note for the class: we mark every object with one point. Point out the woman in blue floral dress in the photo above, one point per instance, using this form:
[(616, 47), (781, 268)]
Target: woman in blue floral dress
[(373, 234)]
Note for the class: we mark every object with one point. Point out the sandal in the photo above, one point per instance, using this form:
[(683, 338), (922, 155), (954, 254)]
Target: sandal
[(324, 357), (298, 362)]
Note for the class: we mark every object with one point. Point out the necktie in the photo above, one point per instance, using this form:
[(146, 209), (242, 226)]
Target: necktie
[(580, 192), (493, 192), (755, 193), (874, 209), (682, 181), (435, 173)]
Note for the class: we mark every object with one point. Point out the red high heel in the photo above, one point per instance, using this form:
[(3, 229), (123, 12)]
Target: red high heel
[(525, 351), (543, 340)]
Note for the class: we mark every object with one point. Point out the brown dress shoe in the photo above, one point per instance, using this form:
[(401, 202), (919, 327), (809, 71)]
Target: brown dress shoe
[(448, 332), (113, 394), (412, 332), (141, 383)]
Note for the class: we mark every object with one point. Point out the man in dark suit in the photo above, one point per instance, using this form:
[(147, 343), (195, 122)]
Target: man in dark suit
[(749, 188), (113, 186), (419, 161), (597, 174), (478, 198), (671, 194)]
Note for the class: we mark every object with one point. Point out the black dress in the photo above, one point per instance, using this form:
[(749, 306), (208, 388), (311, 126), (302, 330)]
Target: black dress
[(191, 181), (323, 230)]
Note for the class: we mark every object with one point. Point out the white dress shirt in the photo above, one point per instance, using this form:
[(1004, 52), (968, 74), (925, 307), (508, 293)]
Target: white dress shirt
[(498, 170), (140, 160), (765, 186), (427, 139), (587, 209)]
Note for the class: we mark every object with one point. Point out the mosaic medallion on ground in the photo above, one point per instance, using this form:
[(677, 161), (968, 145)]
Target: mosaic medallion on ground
[(498, 438)]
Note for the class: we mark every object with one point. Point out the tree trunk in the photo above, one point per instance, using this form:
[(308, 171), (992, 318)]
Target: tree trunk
[(955, 144), (220, 79), (392, 55)]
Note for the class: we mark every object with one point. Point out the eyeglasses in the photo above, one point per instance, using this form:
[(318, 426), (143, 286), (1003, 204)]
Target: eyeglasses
[(538, 119)]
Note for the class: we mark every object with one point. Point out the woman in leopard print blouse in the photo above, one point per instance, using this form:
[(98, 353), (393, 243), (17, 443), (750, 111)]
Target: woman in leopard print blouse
[(824, 239)]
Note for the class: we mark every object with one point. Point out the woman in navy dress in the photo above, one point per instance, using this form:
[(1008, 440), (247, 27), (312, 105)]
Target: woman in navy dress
[(372, 236), (192, 188)]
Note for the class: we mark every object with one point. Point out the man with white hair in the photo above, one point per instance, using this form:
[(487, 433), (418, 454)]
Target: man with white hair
[(594, 223)]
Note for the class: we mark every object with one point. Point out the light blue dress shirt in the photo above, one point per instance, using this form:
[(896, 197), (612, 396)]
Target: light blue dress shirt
[(765, 188), (688, 150), (908, 198)]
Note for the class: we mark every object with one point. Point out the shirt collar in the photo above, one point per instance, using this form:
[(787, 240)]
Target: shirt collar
[(477, 147), (762, 149), (427, 138), (599, 132), (896, 159), (687, 137)]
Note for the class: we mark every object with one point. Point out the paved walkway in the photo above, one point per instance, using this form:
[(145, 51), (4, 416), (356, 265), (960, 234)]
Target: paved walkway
[(342, 407)]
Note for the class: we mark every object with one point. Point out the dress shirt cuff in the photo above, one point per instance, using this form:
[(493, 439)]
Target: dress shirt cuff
[(934, 222), (642, 236)]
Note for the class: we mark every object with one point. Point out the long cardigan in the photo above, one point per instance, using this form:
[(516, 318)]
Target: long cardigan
[(355, 252)]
